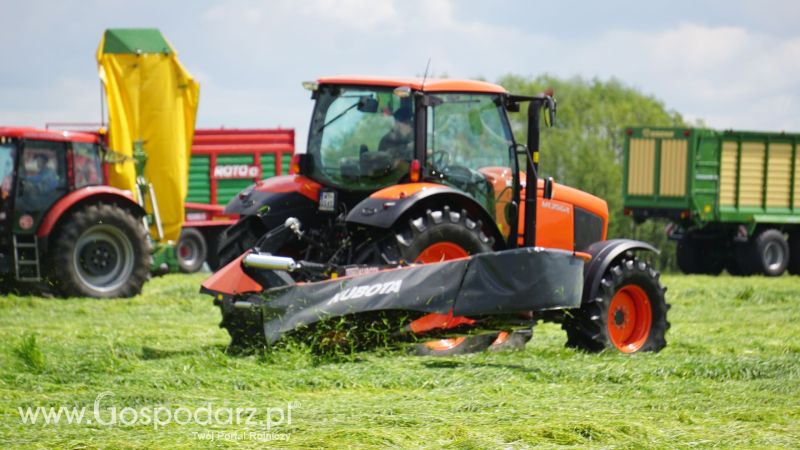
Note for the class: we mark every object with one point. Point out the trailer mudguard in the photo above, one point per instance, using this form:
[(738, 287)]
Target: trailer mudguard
[(481, 285), (385, 207), (604, 253)]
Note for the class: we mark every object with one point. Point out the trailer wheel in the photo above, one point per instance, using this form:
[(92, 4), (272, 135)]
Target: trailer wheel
[(769, 253), (698, 256), (442, 235), (100, 251), (191, 250), (629, 314), (794, 253)]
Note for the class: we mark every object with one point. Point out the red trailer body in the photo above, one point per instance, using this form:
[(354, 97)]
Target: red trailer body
[(225, 161)]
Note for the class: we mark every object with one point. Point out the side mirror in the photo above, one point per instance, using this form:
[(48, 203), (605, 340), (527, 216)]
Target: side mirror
[(548, 187), (551, 106), (368, 104)]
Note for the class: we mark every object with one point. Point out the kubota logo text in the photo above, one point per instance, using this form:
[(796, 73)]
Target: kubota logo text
[(366, 291), (237, 171)]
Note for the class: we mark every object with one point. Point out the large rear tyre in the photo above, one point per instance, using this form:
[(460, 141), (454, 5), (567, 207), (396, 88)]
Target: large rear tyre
[(238, 238), (100, 251), (191, 250), (629, 314), (441, 235)]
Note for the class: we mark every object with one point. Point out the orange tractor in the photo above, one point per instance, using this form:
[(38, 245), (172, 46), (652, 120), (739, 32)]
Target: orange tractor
[(407, 177)]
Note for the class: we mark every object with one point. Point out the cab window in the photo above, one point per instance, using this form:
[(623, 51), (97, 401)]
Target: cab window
[(469, 147), (42, 175), (87, 164)]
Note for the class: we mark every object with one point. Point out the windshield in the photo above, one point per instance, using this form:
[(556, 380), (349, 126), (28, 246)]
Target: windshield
[(361, 138), (6, 170), (469, 148)]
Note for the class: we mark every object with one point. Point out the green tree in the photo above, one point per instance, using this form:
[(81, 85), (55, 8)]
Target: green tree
[(584, 147)]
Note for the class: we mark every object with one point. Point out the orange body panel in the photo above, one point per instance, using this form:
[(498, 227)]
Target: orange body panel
[(555, 216), (430, 84), (291, 183)]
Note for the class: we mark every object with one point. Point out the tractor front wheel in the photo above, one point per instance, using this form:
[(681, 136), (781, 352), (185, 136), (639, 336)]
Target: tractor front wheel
[(629, 313), (100, 251)]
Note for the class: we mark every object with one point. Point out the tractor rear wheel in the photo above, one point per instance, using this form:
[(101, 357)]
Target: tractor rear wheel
[(629, 314), (191, 250), (441, 235), (100, 251), (238, 238)]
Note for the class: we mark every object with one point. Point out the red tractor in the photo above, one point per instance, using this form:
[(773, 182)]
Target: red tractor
[(59, 221), (406, 170)]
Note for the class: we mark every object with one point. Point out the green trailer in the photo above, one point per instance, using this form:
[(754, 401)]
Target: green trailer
[(732, 197)]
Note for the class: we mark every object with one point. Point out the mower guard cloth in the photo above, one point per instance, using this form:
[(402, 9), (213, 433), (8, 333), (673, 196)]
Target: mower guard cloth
[(505, 282)]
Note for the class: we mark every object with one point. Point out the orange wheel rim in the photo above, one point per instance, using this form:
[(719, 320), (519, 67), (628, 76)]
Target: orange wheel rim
[(445, 344), (629, 318), (501, 338), (438, 252), (441, 251)]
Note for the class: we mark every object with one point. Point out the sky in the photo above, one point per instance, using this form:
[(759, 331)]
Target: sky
[(732, 64)]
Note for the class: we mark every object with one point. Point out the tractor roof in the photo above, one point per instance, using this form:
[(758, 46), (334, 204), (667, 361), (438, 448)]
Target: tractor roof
[(47, 135), (431, 84)]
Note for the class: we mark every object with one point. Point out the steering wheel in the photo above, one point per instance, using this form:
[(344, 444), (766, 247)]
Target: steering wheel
[(459, 174)]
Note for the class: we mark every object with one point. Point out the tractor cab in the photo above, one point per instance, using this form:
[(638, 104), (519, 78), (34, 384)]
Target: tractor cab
[(366, 137), (39, 167)]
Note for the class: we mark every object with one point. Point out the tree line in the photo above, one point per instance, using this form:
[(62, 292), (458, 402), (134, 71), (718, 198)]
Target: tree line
[(584, 147)]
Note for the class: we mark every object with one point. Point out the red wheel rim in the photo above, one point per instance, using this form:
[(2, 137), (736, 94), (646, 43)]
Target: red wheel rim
[(441, 251), (629, 318)]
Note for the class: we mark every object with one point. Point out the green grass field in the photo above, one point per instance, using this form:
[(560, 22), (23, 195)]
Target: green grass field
[(729, 377)]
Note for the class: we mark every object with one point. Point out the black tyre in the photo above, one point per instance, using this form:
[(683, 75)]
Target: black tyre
[(794, 253), (239, 238), (191, 250), (629, 314), (441, 235), (212, 243), (700, 256), (688, 257), (100, 251), (769, 253)]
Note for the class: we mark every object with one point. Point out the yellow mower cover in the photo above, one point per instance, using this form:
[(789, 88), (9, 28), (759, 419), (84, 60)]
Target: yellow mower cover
[(152, 100)]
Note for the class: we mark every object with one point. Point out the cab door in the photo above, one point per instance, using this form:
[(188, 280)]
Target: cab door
[(41, 181)]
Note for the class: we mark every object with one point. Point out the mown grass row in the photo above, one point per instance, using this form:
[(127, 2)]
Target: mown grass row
[(730, 376)]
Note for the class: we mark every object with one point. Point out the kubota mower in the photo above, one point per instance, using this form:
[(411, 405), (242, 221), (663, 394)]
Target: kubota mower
[(410, 208)]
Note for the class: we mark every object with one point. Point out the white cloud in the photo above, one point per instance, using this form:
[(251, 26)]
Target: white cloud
[(250, 56)]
